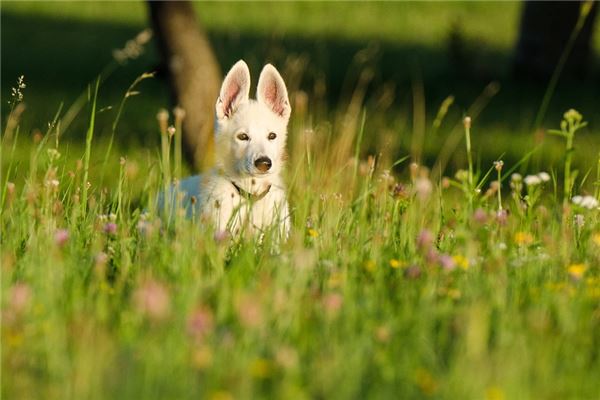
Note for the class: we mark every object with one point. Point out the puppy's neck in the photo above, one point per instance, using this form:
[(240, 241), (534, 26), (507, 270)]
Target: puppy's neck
[(255, 185)]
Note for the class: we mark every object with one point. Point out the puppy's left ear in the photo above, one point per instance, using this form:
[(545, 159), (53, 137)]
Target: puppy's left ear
[(272, 92)]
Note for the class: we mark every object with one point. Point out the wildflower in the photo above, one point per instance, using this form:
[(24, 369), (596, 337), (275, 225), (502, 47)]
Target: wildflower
[(179, 113), (447, 262), (576, 271), (333, 303), (578, 220), (414, 169), (461, 261), (399, 191), (313, 233), (110, 228), (588, 202), (370, 265), (200, 323), (163, 120), (516, 177), (423, 187), (425, 239), (394, 263), (101, 259), (249, 311), (445, 182), (152, 300), (494, 393), (412, 272), (261, 368), (221, 236), (498, 165), (572, 115), (171, 131), (480, 216), (61, 237), (383, 334), (523, 238), (467, 122), (544, 176), (596, 238), (425, 381), (461, 175), (287, 357), (20, 296), (202, 357), (221, 395), (502, 217), (532, 180), (432, 256)]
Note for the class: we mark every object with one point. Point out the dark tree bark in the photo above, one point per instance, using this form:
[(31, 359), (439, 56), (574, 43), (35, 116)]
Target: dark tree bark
[(193, 73), (545, 30)]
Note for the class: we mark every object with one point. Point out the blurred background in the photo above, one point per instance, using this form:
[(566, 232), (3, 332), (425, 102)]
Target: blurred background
[(412, 70)]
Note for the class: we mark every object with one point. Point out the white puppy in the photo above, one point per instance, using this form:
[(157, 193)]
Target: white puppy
[(244, 191)]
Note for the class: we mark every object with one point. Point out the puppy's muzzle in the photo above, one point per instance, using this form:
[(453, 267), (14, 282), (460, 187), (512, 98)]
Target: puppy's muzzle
[(263, 164)]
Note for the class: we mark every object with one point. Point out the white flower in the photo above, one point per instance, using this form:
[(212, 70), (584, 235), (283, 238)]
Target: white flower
[(516, 177), (588, 202), (544, 176), (532, 180)]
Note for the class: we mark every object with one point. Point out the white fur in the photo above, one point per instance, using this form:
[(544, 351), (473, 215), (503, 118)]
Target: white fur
[(217, 199)]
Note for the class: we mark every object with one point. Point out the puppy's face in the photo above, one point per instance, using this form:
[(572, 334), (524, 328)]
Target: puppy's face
[(251, 134)]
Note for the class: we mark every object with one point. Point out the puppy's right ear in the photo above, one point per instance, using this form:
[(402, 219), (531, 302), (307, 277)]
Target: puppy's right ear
[(235, 90)]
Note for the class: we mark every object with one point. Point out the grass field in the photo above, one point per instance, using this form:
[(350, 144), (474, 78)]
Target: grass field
[(399, 280)]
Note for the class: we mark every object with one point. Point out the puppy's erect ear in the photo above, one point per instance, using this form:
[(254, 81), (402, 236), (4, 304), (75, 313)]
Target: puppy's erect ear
[(272, 92), (235, 90)]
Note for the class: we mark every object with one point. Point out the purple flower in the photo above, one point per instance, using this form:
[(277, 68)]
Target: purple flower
[(480, 216), (152, 299), (110, 228), (425, 240), (447, 262), (61, 237), (200, 323), (221, 236), (412, 272), (502, 217)]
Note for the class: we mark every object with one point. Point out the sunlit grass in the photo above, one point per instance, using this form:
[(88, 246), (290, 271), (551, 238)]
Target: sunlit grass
[(393, 284)]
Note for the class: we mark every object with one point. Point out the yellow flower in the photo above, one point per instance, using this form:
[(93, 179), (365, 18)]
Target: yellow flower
[(221, 395), (370, 265), (425, 381), (494, 393), (313, 233), (454, 294), (260, 368), (523, 238), (596, 238), (394, 263), (576, 271), (336, 279), (461, 261), (202, 357)]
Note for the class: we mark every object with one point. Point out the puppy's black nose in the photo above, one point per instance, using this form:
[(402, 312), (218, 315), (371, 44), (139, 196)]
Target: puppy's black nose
[(263, 164)]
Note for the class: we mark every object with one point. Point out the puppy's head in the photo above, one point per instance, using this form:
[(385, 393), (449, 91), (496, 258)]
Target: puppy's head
[(251, 134)]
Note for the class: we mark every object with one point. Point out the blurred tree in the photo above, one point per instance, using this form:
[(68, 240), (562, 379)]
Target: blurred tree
[(546, 29), (193, 72)]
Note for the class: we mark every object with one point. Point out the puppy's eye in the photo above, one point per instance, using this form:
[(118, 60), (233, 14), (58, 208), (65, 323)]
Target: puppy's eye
[(242, 136), (272, 136)]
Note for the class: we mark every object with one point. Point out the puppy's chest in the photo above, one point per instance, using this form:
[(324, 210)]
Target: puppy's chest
[(227, 203)]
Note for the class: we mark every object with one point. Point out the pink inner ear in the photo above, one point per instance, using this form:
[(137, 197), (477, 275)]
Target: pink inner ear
[(272, 98), (231, 92)]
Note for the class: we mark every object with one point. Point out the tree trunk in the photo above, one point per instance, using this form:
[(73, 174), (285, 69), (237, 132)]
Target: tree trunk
[(193, 73), (544, 33)]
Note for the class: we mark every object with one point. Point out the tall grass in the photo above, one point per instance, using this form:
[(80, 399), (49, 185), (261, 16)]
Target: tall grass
[(391, 285)]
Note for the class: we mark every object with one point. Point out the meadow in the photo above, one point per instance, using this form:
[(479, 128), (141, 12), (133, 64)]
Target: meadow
[(435, 253)]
